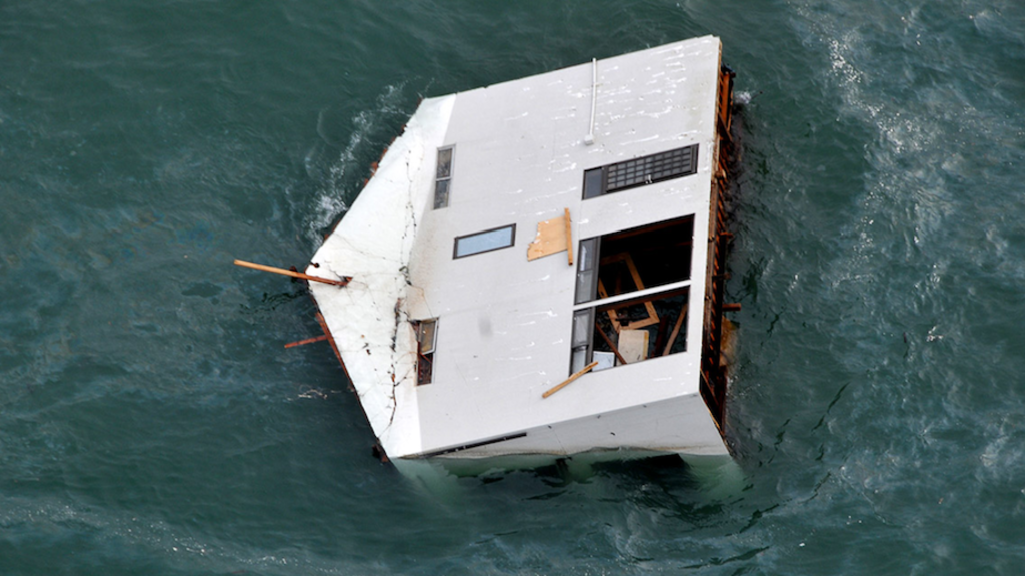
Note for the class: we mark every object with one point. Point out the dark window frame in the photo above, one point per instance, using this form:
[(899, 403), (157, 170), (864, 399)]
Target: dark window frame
[(585, 347), (591, 253), (446, 178), (588, 254), (640, 171), (512, 241)]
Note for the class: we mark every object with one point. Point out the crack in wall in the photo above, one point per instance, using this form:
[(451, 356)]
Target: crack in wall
[(401, 315), (390, 260)]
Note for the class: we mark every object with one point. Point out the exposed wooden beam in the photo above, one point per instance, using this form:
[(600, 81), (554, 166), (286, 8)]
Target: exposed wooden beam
[(284, 272), (676, 330), (569, 237), (611, 345), (307, 341)]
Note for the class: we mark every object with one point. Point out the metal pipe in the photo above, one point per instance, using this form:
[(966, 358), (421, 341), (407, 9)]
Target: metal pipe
[(589, 139)]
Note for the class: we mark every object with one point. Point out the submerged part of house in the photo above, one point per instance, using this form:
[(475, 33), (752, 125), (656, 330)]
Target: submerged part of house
[(537, 266)]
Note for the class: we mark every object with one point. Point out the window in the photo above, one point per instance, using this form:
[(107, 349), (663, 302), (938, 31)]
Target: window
[(640, 171), (426, 336), (635, 259), (583, 335), (587, 270), (631, 330), (621, 328), (486, 241), (443, 177)]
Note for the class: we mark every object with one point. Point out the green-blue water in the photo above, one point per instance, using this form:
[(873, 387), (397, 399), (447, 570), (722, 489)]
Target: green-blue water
[(152, 423)]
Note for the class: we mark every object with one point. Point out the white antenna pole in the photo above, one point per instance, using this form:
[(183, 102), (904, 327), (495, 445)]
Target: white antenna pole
[(589, 139)]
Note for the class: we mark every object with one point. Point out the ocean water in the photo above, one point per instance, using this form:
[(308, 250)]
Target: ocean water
[(152, 423)]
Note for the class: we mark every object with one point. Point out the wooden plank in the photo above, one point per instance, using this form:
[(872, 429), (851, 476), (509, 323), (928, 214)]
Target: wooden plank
[(636, 277), (284, 272), (306, 341), (567, 381), (652, 315), (551, 238), (569, 237), (603, 294), (676, 330), (660, 335)]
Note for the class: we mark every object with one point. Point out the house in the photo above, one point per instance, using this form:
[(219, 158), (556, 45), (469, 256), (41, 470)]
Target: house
[(562, 227)]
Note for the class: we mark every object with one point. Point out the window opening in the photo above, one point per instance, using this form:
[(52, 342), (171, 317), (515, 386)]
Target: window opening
[(640, 171), (621, 333), (635, 259), (632, 329), (443, 177), (485, 241), (426, 335)]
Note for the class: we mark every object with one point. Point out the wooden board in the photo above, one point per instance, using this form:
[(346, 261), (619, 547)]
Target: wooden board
[(633, 345), (551, 238)]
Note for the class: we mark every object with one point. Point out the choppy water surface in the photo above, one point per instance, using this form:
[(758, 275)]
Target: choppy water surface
[(151, 423)]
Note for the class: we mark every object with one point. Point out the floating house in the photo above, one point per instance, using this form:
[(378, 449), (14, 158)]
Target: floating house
[(535, 268)]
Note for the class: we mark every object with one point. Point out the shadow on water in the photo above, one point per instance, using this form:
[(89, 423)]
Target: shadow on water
[(269, 302), (706, 480)]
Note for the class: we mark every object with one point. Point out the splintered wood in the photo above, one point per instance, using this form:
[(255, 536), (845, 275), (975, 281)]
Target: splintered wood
[(553, 236)]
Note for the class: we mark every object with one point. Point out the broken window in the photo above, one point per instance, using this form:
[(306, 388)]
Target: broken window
[(635, 259), (630, 331), (426, 336), (486, 241), (443, 177), (640, 171), (618, 328)]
